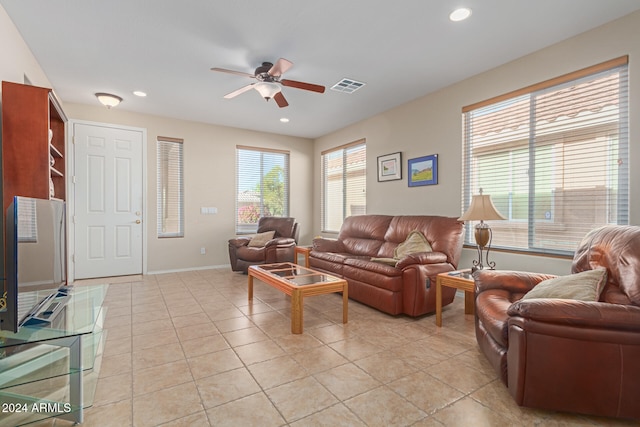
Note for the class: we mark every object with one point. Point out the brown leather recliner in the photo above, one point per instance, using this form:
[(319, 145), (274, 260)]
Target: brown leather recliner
[(279, 249), (563, 354)]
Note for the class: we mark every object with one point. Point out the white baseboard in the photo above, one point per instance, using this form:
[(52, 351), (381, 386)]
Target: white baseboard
[(182, 270)]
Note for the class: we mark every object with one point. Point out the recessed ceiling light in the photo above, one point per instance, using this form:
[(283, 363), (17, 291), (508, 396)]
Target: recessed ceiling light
[(284, 120), (139, 93), (460, 14)]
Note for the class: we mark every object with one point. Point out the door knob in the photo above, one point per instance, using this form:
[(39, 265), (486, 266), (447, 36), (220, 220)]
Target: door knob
[(138, 221)]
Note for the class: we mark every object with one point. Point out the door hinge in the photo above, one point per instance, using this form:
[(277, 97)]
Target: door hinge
[(73, 257), (73, 219), (73, 179)]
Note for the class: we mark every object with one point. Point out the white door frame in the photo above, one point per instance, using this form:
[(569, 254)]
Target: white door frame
[(71, 202)]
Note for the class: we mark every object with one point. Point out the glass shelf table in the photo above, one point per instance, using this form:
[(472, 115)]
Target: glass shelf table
[(44, 369)]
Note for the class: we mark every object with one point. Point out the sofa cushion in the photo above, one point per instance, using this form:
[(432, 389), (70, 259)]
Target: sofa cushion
[(336, 258), (584, 286), (261, 239), (415, 242), (364, 234)]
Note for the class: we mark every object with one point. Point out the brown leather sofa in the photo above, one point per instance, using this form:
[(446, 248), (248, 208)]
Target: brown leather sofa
[(280, 248), (563, 354), (408, 286)]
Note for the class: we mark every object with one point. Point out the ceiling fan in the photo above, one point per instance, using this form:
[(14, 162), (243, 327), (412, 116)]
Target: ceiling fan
[(269, 79)]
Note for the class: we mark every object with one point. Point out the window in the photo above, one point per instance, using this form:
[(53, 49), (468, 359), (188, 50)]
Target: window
[(170, 187), (553, 157), (262, 186), (344, 184)]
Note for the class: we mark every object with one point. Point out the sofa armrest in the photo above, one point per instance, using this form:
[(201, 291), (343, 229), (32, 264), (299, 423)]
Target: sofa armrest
[(282, 242), (510, 281), (322, 244), (421, 258), (592, 314), (239, 242)]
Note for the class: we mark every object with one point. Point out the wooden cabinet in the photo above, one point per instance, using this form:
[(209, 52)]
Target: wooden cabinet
[(33, 164)]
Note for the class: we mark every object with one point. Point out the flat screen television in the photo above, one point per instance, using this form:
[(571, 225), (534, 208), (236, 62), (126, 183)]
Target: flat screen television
[(35, 262)]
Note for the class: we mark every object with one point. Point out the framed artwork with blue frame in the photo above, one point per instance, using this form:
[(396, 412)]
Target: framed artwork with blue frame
[(423, 171)]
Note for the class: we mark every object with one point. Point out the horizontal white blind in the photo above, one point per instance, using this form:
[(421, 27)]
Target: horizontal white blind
[(170, 187), (262, 186), (554, 160), (27, 220), (344, 184)]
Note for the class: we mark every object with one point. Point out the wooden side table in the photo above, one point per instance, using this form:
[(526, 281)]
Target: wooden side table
[(304, 251), (460, 279)]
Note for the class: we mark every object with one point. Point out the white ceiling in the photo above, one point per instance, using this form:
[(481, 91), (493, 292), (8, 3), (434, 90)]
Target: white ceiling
[(402, 50)]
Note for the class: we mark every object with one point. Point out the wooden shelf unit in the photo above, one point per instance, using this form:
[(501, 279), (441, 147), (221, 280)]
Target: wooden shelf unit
[(28, 113)]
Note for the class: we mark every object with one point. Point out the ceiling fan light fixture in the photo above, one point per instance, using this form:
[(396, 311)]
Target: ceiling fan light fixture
[(267, 89), (108, 100), (460, 14)]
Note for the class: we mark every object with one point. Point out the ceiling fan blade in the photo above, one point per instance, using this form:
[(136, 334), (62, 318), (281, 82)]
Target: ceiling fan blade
[(303, 85), (279, 98), (239, 91), (280, 67), (240, 73)]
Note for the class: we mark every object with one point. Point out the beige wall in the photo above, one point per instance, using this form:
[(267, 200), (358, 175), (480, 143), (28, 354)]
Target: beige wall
[(433, 125), (209, 173)]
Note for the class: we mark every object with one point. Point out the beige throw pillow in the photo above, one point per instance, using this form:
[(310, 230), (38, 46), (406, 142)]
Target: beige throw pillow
[(389, 261), (415, 242), (261, 239), (584, 286)]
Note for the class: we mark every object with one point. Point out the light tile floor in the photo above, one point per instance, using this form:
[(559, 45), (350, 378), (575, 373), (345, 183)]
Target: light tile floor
[(188, 349)]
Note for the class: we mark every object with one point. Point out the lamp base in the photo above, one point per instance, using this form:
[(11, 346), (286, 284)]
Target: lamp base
[(483, 236)]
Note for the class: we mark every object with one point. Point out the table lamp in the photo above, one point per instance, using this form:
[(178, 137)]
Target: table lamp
[(482, 209)]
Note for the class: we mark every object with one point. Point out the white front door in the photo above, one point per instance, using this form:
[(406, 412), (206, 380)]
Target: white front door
[(108, 201)]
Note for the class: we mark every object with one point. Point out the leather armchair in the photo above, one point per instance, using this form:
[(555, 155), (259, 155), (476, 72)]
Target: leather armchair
[(279, 249), (563, 354)]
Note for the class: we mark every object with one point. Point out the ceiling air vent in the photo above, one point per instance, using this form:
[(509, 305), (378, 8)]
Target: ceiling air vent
[(347, 86)]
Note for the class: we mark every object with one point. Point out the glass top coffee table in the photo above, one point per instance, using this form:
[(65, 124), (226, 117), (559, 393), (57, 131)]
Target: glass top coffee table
[(299, 282)]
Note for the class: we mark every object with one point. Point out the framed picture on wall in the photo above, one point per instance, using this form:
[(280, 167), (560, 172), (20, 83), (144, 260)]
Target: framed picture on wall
[(390, 167), (423, 171)]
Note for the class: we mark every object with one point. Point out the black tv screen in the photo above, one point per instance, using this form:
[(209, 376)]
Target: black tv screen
[(35, 257)]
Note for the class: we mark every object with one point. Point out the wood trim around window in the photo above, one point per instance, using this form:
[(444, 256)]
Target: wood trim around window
[(347, 145), (169, 139), (262, 149), (607, 65)]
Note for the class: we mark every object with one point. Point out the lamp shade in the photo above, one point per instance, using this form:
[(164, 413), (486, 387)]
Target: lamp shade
[(481, 209), (267, 90)]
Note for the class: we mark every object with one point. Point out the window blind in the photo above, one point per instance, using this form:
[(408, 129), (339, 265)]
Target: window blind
[(344, 184), (170, 187), (262, 186), (553, 157), (27, 219)]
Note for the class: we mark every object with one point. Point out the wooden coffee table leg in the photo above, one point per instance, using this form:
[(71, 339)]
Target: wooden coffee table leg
[(469, 303), (438, 302), (250, 286), (345, 303), (296, 312)]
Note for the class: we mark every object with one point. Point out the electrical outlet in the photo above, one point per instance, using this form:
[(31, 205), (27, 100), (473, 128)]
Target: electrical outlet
[(203, 251)]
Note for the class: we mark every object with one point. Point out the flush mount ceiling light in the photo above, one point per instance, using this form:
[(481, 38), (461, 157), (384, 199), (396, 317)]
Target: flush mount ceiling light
[(108, 100), (460, 14), (139, 93), (267, 89), (284, 120)]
